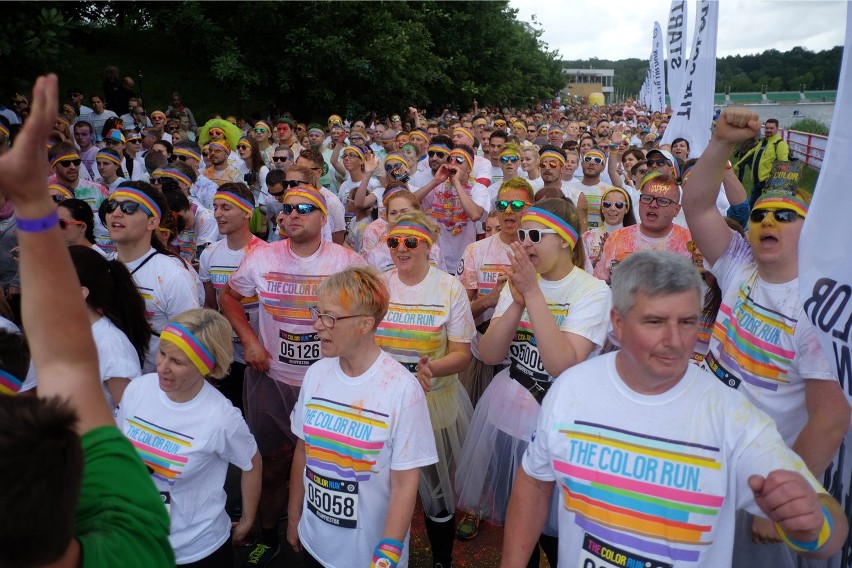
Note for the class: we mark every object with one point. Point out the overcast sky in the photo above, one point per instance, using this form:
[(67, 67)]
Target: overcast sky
[(619, 29)]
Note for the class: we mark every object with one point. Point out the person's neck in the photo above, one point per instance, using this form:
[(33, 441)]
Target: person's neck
[(111, 179), (221, 167), (415, 275), (361, 357), (130, 153), (588, 180), (508, 237), (130, 252), (263, 144), (779, 272), (636, 383), (560, 270), (188, 220), (610, 227), (72, 185), (656, 234), (495, 162), (356, 175), (239, 239), (533, 174), (87, 148), (94, 316), (555, 184), (307, 248), (186, 395)]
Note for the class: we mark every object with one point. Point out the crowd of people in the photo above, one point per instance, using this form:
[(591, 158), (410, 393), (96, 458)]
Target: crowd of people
[(540, 318)]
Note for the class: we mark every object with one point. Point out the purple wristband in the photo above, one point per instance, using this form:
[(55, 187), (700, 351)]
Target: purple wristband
[(37, 225)]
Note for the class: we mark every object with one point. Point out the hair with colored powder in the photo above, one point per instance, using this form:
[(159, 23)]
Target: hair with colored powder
[(359, 289), (518, 184)]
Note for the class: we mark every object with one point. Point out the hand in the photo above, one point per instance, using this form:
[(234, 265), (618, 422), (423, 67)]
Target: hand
[(493, 296), (239, 532), (787, 498), (256, 356), (522, 273), (293, 533), (371, 164), (763, 531), (443, 174), (736, 125), (424, 373)]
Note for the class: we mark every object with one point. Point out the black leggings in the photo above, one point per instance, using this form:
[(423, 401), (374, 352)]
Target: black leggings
[(222, 557)]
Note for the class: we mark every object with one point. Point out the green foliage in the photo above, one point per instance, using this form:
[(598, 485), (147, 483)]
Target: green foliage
[(33, 38), (810, 125)]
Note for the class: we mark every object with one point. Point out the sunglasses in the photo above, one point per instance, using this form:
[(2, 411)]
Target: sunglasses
[(500, 124), (216, 132), (293, 183), (457, 159), (409, 242), (172, 128), (592, 160), (127, 207), (67, 163), (531, 130), (243, 147), (260, 131), (280, 158), (534, 234), (661, 201), (515, 204), (780, 215), (616, 204), (549, 164), (301, 208), (179, 157), (63, 224), (351, 155), (436, 154), (205, 154), (507, 159), (660, 162), (392, 167)]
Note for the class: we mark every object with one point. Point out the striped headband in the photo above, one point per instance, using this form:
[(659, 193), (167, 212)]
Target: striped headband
[(240, 202), (595, 153), (390, 193), (188, 153), (317, 130), (507, 151), (108, 156), (64, 120), (648, 177), (397, 158), (262, 124), (3, 130), (338, 127), (622, 192), (62, 157), (542, 128), (439, 148), (465, 131), (677, 169), (357, 150), (139, 197), (356, 134), (552, 155), (410, 229), (548, 219), (781, 200), (175, 174), (62, 189), (222, 144), (459, 152), (184, 340), (555, 128), (9, 383), (310, 194), (420, 134), (158, 113)]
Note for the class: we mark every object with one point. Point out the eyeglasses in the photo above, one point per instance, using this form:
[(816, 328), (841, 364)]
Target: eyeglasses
[(409, 242), (616, 204), (243, 147), (592, 160), (515, 204), (67, 163), (216, 132), (436, 154), (534, 234), (660, 162), (260, 131), (549, 164), (63, 224), (300, 208), (127, 207), (329, 320), (457, 159), (780, 215), (507, 159), (351, 155), (280, 158), (661, 201)]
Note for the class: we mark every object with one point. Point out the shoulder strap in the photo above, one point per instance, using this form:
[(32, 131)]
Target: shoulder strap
[(144, 262)]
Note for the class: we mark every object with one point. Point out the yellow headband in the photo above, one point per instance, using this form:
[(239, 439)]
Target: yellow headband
[(776, 201)]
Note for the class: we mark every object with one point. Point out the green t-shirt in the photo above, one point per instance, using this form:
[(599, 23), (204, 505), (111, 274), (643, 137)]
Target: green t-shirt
[(121, 520)]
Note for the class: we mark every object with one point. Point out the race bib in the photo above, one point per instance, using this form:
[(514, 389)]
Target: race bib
[(167, 501), (598, 554), (301, 349), (333, 501), (525, 357)]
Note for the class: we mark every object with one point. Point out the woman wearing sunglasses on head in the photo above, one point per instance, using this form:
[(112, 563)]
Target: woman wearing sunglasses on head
[(428, 328), (551, 316), (617, 212)]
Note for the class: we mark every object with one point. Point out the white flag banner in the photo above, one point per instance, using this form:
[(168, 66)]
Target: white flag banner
[(676, 55), (693, 115), (658, 85), (825, 269)]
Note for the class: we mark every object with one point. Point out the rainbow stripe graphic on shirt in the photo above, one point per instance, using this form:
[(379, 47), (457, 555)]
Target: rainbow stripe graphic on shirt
[(753, 342), (341, 438), (488, 275), (147, 295), (159, 448), (643, 492), (219, 276), (289, 297), (525, 330), (411, 330)]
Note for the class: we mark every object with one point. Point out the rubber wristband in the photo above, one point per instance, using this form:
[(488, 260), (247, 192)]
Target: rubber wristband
[(387, 553), (818, 542), (47, 222)]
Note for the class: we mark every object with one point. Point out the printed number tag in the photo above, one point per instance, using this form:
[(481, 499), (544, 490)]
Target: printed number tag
[(167, 501), (302, 349), (334, 501)]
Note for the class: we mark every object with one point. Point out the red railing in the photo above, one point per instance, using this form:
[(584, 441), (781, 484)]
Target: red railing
[(807, 147)]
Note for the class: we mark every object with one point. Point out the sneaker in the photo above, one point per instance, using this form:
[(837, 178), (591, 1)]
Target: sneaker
[(262, 555), (469, 526)]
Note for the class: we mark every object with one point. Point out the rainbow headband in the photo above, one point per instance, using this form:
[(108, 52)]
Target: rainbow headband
[(555, 129), (622, 192), (310, 194), (188, 153), (465, 131), (139, 197), (439, 148), (240, 202), (357, 135), (62, 189), (781, 200), (184, 340), (9, 383), (419, 134), (317, 130), (175, 174), (596, 153), (222, 144), (550, 154), (108, 156), (548, 219), (3, 130), (62, 157), (357, 150), (409, 229), (509, 152), (460, 152), (390, 193), (396, 158)]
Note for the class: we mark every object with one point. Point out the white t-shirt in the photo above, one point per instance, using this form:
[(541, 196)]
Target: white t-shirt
[(205, 232), (580, 303), (168, 287), (594, 195), (336, 213), (188, 446), (457, 230), (481, 169), (217, 263), (349, 185), (356, 430), (380, 256), (203, 190), (763, 344), (286, 285), (651, 480), (97, 121), (421, 177), (116, 356)]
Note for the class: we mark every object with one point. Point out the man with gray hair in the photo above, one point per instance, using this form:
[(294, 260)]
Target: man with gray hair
[(651, 455)]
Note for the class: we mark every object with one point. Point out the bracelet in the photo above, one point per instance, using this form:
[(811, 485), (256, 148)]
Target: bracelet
[(818, 542), (38, 225), (387, 553)]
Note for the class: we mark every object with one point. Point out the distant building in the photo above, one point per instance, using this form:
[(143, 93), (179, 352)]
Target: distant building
[(583, 82)]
